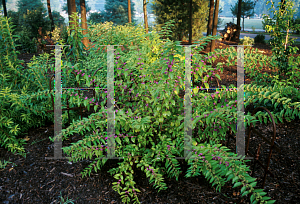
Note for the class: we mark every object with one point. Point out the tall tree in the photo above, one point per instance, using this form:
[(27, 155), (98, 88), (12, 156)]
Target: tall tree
[(139, 6), (84, 22), (246, 10), (282, 5), (129, 12), (50, 15), (24, 5), (71, 10), (210, 17), (212, 47), (145, 15), (77, 2), (239, 13), (4, 7), (190, 22)]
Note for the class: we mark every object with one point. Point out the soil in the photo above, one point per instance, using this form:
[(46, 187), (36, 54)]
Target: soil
[(35, 179)]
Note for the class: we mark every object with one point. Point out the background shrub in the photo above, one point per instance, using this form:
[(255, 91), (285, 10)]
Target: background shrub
[(26, 25), (259, 39), (246, 41)]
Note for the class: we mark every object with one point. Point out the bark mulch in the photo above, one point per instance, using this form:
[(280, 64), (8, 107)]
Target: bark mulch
[(35, 179)]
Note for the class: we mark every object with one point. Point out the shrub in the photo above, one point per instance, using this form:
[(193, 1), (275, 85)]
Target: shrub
[(265, 22), (259, 39), (27, 25), (246, 41), (149, 130), (280, 40)]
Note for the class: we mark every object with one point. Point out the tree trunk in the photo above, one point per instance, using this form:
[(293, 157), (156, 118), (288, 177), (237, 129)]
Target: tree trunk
[(71, 10), (50, 15), (129, 12), (83, 22), (239, 14), (212, 47), (210, 18), (190, 22), (145, 16), (282, 5), (243, 23), (4, 7)]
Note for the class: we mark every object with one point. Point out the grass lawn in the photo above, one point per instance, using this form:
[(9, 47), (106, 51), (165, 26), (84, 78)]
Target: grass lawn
[(295, 43), (265, 33)]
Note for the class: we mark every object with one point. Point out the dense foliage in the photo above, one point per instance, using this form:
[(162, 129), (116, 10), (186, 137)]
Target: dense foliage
[(96, 17), (246, 41), (27, 25), (280, 27), (149, 112), (19, 105), (259, 39), (178, 11)]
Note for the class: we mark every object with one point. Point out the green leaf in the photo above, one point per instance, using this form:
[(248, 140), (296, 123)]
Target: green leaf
[(270, 201), (252, 198), (158, 108), (230, 177), (229, 172), (237, 184), (245, 193), (173, 102), (95, 107), (253, 184), (118, 140), (235, 179), (133, 139), (243, 189)]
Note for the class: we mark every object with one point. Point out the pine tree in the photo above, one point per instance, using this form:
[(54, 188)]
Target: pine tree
[(247, 9), (178, 10), (116, 11), (24, 5)]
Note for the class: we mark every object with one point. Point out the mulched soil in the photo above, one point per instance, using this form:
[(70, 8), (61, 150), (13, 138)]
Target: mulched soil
[(35, 179)]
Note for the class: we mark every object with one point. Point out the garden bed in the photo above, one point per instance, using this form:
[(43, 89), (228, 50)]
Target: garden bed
[(36, 180)]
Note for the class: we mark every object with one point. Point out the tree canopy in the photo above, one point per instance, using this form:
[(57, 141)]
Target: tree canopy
[(24, 5), (247, 8), (177, 10), (116, 11)]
